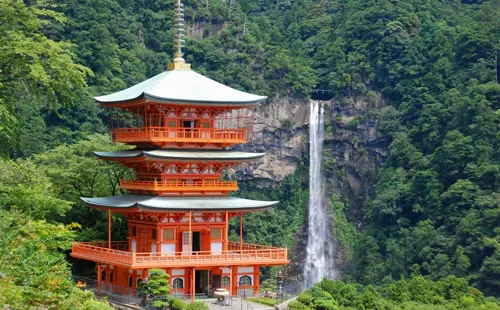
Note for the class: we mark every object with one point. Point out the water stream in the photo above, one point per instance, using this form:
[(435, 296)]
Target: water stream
[(320, 247)]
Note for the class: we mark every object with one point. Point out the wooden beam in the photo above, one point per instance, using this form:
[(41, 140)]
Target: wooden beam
[(227, 230), (241, 232), (109, 229), (193, 279), (190, 237), (98, 279)]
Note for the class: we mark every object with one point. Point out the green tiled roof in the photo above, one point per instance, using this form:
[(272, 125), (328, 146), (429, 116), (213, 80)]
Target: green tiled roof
[(159, 203), (166, 154), (183, 87)]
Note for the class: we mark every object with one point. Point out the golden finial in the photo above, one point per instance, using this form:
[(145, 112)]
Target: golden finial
[(179, 62)]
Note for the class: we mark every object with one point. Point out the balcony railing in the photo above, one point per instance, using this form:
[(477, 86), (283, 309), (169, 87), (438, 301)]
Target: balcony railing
[(258, 256), (180, 186), (161, 135)]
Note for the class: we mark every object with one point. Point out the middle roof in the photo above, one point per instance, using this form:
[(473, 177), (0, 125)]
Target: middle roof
[(181, 155)]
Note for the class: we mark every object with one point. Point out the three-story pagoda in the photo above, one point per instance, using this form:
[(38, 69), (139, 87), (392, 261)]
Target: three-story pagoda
[(182, 124)]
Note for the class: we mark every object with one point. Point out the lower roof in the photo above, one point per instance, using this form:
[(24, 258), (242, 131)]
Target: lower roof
[(161, 203)]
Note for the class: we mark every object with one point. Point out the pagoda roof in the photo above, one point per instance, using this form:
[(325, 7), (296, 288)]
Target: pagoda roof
[(182, 155), (161, 203), (183, 87)]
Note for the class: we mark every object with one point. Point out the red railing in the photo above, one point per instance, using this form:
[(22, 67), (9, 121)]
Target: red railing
[(99, 252), (180, 134), (264, 256), (235, 246), (179, 186)]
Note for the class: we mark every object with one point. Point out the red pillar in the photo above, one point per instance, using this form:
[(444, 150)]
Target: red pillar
[(98, 279)]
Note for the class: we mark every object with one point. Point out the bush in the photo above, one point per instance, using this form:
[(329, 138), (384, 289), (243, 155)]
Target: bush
[(178, 304), (197, 306), (295, 305)]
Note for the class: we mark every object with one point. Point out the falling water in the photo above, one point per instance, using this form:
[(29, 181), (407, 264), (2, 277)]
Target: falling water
[(320, 248)]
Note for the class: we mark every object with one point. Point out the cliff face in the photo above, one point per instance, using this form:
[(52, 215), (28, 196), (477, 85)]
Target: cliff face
[(351, 156), (280, 130)]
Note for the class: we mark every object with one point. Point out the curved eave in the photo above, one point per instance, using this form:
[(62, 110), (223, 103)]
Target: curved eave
[(144, 97), (157, 203), (249, 103), (119, 154), (178, 156)]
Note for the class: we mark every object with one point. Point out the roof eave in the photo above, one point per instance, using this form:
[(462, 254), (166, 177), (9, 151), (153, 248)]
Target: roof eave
[(253, 102)]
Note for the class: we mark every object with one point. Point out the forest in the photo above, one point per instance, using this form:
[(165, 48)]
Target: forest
[(430, 233)]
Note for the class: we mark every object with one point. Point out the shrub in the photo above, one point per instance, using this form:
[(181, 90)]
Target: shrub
[(295, 305), (178, 304), (197, 306)]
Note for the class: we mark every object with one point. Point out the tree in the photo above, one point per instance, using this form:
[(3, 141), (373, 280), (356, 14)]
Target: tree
[(33, 269), (33, 64), (158, 286)]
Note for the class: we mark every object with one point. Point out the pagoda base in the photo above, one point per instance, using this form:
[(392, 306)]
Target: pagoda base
[(123, 283)]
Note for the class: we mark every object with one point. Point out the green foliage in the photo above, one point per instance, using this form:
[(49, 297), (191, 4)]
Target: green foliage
[(33, 66), (417, 292), (33, 270), (157, 285), (269, 285), (178, 304), (264, 300), (198, 305), (343, 230), (25, 188)]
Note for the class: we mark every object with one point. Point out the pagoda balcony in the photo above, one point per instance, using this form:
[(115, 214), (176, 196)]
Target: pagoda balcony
[(176, 186), (181, 135), (237, 255)]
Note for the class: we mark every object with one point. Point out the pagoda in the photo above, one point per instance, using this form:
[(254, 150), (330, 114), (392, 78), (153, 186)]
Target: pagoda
[(183, 126)]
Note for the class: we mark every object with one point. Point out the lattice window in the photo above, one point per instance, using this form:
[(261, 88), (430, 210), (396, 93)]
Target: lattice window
[(245, 281), (216, 233), (178, 283), (168, 234), (225, 281)]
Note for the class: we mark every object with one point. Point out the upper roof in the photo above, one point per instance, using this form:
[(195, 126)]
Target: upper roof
[(183, 87), (182, 155), (161, 203)]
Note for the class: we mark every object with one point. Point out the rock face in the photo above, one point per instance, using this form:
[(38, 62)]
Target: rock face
[(352, 156), (280, 130)]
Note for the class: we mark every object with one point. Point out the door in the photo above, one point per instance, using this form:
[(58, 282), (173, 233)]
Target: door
[(196, 241), (201, 282), (185, 242), (134, 246), (216, 281), (143, 240)]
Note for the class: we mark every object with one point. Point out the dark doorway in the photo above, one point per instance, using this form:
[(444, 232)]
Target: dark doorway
[(186, 124), (201, 281), (216, 281), (196, 241)]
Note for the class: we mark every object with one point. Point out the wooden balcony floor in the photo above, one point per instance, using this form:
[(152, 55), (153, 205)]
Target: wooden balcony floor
[(160, 135), (250, 255)]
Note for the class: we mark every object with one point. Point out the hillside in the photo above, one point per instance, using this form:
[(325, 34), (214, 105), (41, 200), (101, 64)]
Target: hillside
[(416, 108)]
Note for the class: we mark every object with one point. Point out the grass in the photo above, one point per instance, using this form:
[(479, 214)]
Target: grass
[(264, 300)]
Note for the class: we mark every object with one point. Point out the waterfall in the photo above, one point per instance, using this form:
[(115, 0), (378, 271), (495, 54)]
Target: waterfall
[(320, 247)]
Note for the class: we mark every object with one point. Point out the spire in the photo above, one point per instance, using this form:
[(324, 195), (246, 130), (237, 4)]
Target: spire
[(179, 62)]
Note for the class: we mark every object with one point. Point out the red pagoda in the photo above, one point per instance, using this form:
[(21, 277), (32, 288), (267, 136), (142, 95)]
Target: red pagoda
[(183, 125)]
